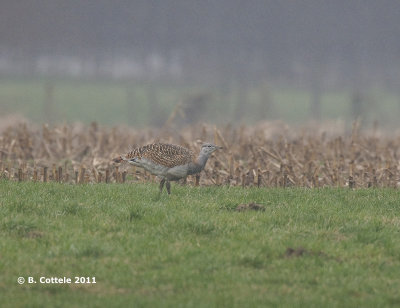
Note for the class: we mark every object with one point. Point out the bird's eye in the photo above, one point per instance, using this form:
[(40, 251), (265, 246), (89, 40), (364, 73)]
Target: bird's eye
[(209, 146)]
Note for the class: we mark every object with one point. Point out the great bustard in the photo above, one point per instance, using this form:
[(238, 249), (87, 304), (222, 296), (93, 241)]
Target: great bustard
[(168, 161)]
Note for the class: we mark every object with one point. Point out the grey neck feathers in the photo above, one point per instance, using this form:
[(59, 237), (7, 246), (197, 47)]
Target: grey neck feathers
[(197, 166)]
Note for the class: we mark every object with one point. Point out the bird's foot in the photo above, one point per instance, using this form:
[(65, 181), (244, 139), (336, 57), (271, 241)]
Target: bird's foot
[(162, 185)]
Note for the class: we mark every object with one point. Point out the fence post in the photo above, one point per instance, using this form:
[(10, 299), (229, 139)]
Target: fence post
[(45, 174)]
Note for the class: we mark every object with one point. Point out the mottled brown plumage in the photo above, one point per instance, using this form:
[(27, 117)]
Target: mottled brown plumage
[(168, 155)]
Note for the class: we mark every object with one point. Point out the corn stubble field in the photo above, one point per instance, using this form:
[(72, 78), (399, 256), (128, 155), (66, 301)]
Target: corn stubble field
[(264, 155), (272, 221)]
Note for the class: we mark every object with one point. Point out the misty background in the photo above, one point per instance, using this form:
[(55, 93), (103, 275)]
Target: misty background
[(146, 62)]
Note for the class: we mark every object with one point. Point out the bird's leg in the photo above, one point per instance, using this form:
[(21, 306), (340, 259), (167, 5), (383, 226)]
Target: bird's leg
[(184, 181), (162, 185), (168, 185)]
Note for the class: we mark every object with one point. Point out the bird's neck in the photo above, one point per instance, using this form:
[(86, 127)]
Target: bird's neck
[(198, 165)]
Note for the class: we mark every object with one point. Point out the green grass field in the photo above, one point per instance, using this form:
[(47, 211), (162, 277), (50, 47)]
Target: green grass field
[(141, 104), (309, 248)]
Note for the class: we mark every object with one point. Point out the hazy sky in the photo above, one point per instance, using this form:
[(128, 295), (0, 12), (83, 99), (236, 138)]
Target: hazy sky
[(228, 37)]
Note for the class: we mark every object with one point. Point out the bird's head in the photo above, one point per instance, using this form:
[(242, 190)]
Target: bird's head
[(122, 158), (208, 148), (118, 159)]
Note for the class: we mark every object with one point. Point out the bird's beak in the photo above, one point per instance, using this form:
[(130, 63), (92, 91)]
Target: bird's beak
[(118, 159), (220, 148)]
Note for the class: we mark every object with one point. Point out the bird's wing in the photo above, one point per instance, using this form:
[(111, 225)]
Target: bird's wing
[(168, 155)]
